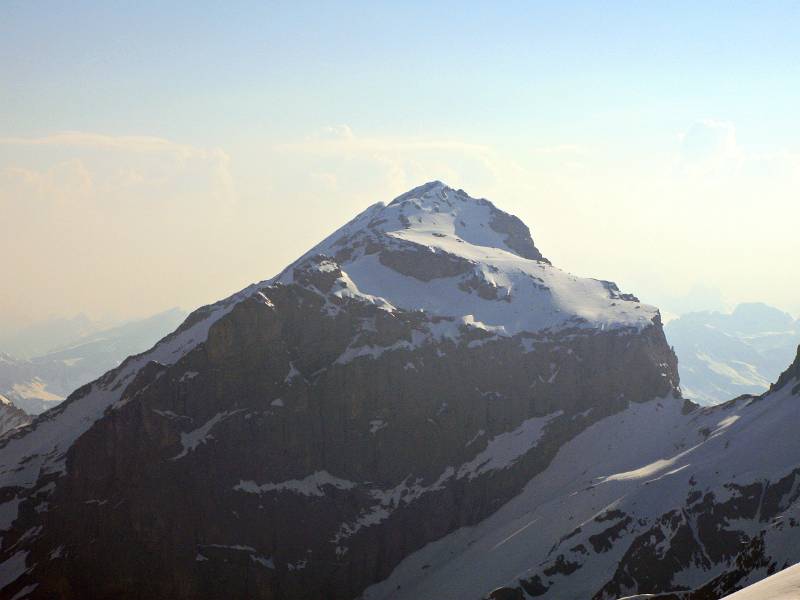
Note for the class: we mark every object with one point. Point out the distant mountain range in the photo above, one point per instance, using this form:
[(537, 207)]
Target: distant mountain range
[(724, 355), (43, 336), (40, 382)]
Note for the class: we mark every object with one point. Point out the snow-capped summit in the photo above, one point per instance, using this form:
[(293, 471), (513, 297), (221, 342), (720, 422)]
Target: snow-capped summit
[(439, 250), (438, 216)]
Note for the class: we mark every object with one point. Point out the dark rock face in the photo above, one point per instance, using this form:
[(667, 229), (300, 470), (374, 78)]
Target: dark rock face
[(320, 435), (424, 264), (518, 236), (275, 406)]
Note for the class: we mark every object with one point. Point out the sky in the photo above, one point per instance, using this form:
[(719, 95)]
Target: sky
[(168, 154)]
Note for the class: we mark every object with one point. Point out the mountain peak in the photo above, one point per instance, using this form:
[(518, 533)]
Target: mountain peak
[(423, 360), (426, 189), (444, 212), (442, 251), (436, 216)]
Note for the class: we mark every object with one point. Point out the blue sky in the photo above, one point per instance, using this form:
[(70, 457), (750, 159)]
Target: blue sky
[(553, 110), (552, 69)]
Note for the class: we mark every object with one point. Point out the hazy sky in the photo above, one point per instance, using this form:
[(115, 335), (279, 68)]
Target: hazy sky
[(153, 156)]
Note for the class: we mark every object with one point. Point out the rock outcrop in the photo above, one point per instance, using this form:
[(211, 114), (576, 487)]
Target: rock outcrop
[(11, 417)]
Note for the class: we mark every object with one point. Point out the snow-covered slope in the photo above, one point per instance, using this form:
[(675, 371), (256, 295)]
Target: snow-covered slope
[(781, 586), (659, 498), (402, 380)]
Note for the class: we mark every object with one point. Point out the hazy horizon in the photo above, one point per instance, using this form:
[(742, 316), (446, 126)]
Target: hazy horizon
[(176, 165)]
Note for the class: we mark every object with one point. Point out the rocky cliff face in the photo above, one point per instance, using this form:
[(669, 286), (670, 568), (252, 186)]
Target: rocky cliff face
[(404, 379), (663, 498), (790, 377)]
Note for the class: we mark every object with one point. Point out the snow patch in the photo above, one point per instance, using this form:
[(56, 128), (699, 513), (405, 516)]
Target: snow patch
[(191, 440), (293, 372), (480, 433), (311, 485), (13, 568), (505, 449), (376, 425), (24, 591)]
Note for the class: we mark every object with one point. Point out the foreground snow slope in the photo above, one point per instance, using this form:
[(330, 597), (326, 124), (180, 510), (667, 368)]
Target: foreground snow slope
[(781, 586)]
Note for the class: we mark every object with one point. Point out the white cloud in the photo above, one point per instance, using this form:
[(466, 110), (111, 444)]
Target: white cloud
[(335, 132), (111, 224), (130, 143), (109, 164), (63, 182), (390, 162)]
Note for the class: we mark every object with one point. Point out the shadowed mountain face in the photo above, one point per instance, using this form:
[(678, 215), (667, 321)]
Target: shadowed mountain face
[(405, 378), (675, 501), (722, 355)]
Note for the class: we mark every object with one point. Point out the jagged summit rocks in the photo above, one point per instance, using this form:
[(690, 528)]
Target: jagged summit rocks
[(403, 379)]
